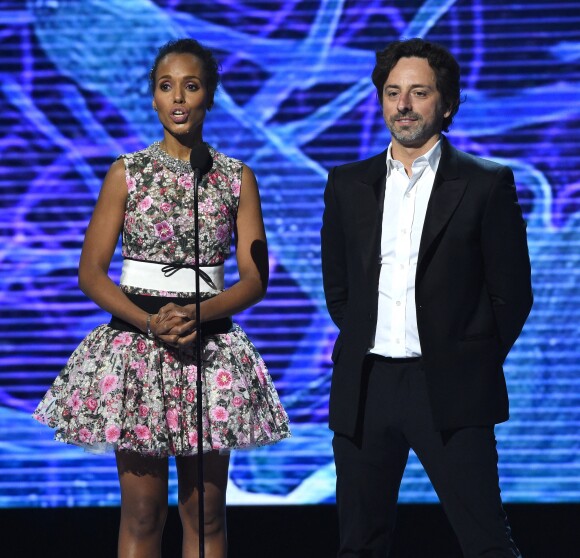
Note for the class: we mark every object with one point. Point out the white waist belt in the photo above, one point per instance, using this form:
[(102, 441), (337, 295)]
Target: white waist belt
[(166, 277)]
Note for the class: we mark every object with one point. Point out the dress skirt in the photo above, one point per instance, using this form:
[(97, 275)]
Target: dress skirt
[(121, 390)]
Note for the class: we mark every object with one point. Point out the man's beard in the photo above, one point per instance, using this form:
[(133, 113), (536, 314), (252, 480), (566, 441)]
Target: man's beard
[(418, 134)]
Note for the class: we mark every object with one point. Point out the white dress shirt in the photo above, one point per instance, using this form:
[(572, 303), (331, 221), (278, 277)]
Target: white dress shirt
[(404, 212)]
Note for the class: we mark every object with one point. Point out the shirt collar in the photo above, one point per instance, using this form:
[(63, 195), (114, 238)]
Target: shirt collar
[(432, 157)]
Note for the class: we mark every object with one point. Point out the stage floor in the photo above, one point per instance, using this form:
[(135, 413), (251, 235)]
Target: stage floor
[(540, 530)]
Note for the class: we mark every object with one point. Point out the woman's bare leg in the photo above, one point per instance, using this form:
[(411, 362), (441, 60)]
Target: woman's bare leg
[(143, 504), (215, 476)]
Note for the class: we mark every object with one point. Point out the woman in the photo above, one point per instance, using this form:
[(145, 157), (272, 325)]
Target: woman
[(130, 385)]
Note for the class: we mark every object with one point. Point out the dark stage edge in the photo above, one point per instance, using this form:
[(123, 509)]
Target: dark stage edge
[(540, 530)]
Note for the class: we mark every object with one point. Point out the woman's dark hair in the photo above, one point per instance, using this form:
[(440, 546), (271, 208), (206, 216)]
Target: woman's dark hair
[(190, 46), (446, 68)]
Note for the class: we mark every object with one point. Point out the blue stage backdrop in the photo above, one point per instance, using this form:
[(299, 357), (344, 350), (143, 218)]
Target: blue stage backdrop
[(296, 99)]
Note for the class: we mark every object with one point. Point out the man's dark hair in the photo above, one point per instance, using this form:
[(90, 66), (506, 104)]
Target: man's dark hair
[(190, 46), (446, 68)]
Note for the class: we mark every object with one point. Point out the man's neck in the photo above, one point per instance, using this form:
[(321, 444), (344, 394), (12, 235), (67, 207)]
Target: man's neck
[(408, 154)]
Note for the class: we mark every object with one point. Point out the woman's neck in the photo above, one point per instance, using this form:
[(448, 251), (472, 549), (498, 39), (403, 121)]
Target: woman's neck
[(177, 148)]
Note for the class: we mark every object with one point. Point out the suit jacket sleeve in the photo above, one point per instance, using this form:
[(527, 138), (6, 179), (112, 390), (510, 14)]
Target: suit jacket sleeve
[(333, 252), (506, 259)]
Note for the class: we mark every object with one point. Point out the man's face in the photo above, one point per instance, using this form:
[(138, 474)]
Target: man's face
[(412, 105)]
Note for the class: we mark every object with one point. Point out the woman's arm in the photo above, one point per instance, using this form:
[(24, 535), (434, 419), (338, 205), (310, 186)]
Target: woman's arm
[(98, 249), (252, 261)]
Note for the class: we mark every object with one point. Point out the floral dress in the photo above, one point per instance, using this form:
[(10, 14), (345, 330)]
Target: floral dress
[(122, 390)]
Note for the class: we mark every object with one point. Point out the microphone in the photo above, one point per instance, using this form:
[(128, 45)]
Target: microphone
[(200, 159)]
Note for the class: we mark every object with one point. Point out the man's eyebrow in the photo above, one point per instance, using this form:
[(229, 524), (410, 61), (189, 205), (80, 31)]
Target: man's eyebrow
[(413, 86)]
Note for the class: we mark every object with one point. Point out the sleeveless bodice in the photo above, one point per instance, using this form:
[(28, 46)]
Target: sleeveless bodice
[(159, 219)]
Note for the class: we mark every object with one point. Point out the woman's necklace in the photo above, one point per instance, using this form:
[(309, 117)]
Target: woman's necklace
[(174, 165)]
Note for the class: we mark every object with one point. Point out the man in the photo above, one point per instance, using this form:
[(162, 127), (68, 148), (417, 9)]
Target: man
[(427, 276)]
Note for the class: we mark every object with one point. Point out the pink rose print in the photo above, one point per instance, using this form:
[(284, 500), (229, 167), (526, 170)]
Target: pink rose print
[(142, 432), (141, 346), (220, 414), (112, 433), (91, 403), (207, 206), (140, 368), (192, 439), (223, 379), (164, 230), (84, 435), (215, 441), (129, 219), (260, 374), (166, 207), (237, 401), (221, 233), (176, 392), (121, 340), (172, 419), (236, 187), (109, 383), (74, 401), (131, 182), (143, 410), (185, 181), (190, 396), (145, 203), (192, 374)]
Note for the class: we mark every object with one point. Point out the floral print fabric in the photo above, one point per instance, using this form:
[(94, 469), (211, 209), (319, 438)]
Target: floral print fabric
[(122, 390), (159, 219)]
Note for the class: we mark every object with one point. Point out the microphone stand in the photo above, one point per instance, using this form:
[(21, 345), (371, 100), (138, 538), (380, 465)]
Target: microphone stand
[(201, 163), (198, 386)]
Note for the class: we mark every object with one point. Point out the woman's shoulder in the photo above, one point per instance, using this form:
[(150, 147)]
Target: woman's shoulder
[(136, 156), (223, 162)]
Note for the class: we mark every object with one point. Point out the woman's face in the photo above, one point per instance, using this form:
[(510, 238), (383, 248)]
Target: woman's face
[(181, 98)]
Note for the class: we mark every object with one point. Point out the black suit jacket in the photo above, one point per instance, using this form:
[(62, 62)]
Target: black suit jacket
[(472, 287)]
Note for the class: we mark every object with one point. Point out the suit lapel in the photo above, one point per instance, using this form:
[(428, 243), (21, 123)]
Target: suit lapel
[(447, 192), (370, 204)]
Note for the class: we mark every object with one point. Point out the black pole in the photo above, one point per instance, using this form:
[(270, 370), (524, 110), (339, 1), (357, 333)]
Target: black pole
[(198, 385), (201, 163)]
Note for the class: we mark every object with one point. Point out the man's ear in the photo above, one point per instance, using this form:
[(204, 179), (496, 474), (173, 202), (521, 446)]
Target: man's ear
[(450, 110)]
